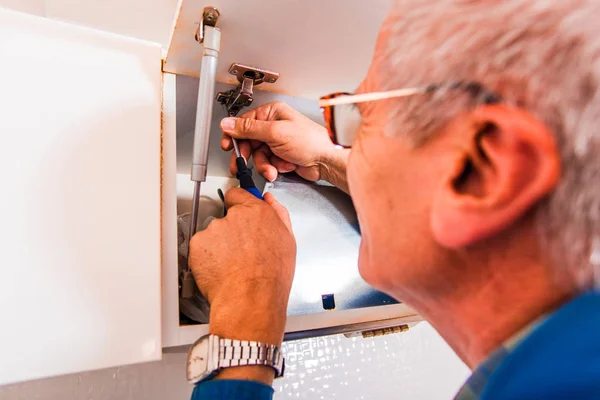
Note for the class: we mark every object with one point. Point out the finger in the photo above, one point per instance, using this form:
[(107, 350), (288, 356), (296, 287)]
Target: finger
[(274, 111), (255, 144), (238, 196), (245, 149), (247, 128), (263, 165), (281, 211), (226, 142), (232, 164), (282, 165)]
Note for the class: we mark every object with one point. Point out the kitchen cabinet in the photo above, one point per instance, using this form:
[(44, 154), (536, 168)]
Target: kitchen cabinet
[(80, 206), (95, 170)]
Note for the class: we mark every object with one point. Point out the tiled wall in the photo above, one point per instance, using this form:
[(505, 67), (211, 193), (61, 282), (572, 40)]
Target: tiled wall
[(412, 365)]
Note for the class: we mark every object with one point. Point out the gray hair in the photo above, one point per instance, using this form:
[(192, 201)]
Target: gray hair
[(541, 55)]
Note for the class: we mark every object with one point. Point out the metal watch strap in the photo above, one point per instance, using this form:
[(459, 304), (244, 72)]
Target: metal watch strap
[(234, 353)]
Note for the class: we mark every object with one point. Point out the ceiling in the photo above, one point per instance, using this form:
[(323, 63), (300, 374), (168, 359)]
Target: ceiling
[(317, 46)]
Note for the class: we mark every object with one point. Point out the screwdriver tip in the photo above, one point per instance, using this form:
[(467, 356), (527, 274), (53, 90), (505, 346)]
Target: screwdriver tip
[(236, 147)]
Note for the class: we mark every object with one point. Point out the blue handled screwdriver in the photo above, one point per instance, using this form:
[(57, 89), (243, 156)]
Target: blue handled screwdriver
[(244, 174)]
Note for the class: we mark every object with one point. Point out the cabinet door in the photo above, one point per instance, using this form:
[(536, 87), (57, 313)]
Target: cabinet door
[(80, 198)]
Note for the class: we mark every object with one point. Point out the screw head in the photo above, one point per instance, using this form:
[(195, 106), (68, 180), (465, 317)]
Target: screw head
[(271, 80), (233, 72)]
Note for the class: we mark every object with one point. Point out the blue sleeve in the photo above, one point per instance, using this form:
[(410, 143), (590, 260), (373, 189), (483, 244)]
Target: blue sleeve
[(232, 389)]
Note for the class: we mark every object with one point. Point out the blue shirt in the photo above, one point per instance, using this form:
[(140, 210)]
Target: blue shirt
[(557, 359)]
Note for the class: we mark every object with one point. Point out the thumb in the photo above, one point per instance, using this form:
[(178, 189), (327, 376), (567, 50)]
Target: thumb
[(238, 196), (280, 210), (247, 128)]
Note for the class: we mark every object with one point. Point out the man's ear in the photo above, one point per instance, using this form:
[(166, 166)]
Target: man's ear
[(507, 162)]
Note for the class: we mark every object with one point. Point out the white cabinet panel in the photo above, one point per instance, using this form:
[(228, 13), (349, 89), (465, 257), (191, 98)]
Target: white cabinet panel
[(142, 19), (317, 46), (80, 204)]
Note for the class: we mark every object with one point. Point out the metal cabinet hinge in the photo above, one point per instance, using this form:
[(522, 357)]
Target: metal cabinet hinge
[(235, 99)]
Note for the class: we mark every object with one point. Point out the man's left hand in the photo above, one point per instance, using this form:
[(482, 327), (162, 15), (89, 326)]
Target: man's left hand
[(244, 265)]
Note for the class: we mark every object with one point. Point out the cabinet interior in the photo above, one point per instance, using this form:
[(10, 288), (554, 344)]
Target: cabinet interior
[(328, 293), (327, 279)]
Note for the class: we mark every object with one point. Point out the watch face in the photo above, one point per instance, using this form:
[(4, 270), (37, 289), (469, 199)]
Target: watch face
[(197, 367)]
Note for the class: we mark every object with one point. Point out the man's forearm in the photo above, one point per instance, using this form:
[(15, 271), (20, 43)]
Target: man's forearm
[(333, 168)]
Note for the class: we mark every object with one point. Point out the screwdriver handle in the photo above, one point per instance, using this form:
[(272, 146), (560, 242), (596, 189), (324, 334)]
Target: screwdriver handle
[(244, 175)]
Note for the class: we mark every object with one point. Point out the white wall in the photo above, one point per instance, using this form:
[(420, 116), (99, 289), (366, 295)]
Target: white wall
[(413, 365)]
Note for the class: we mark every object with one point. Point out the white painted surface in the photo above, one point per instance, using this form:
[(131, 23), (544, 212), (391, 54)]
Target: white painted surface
[(80, 209), (36, 7), (317, 46), (146, 20), (169, 245), (412, 365), (143, 19)]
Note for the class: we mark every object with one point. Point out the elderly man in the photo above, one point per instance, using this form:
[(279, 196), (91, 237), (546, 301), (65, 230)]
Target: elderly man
[(476, 191)]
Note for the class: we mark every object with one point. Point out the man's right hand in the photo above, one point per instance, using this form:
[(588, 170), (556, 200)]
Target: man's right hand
[(283, 140)]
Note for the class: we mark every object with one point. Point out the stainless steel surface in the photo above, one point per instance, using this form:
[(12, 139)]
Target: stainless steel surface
[(204, 105), (258, 75), (328, 238)]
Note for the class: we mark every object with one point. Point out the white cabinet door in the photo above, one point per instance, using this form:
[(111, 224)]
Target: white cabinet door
[(79, 199)]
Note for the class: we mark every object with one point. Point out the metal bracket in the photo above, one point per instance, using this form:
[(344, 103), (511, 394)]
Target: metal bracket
[(210, 15), (258, 75), (378, 332), (235, 99)]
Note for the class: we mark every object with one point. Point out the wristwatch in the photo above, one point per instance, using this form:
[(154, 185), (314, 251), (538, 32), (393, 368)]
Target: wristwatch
[(211, 353)]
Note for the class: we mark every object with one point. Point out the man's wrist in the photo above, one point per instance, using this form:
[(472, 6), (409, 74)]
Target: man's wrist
[(332, 167), (261, 320), (258, 373), (253, 323)]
